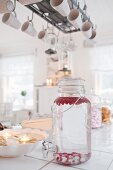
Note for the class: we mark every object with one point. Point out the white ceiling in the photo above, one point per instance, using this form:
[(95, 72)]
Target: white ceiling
[(14, 41)]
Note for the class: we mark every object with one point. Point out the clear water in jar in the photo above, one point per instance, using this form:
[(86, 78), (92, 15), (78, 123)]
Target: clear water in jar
[(72, 130)]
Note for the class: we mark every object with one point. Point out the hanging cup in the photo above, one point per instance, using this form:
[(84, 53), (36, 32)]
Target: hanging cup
[(11, 20), (87, 29), (41, 34), (28, 28), (6, 6), (93, 34), (74, 17), (27, 2), (61, 6)]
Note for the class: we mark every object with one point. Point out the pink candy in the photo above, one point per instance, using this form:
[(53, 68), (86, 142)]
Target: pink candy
[(70, 159)]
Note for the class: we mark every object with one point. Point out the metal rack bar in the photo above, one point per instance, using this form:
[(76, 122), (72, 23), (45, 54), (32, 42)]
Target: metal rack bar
[(54, 17)]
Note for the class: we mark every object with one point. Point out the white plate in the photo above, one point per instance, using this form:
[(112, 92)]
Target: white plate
[(16, 149)]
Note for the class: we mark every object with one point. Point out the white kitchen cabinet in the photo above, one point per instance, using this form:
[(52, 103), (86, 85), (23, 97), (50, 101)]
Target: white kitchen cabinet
[(44, 97)]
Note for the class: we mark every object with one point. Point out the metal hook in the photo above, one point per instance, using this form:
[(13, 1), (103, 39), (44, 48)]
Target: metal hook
[(85, 4), (85, 7), (78, 6), (15, 14), (89, 19), (30, 20), (82, 18), (71, 4), (14, 6)]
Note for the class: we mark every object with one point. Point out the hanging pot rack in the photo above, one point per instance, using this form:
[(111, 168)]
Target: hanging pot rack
[(48, 13)]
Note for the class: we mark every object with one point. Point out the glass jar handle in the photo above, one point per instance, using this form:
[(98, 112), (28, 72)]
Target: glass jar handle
[(48, 147), (52, 107)]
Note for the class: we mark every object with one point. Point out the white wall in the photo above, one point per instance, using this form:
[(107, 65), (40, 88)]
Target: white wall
[(81, 66)]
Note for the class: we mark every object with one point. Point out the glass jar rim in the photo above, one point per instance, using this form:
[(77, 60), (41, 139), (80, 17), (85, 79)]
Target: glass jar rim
[(68, 81)]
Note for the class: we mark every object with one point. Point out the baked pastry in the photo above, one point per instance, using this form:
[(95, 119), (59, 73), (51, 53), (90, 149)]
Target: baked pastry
[(2, 141), (32, 140), (105, 114)]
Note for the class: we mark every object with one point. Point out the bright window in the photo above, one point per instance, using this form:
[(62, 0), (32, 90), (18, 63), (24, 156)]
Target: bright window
[(102, 68), (16, 75), (104, 84)]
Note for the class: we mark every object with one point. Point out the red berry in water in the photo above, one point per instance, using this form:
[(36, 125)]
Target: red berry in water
[(71, 100)]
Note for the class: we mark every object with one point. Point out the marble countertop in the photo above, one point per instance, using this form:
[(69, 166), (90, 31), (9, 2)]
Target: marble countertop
[(102, 155)]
